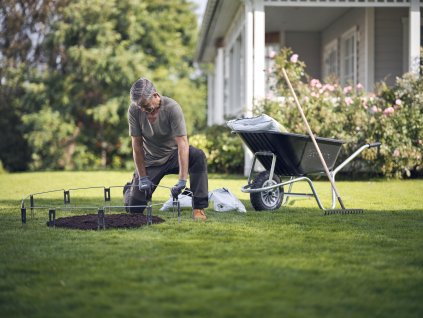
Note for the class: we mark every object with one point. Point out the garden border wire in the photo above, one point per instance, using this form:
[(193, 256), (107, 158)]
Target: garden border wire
[(101, 209)]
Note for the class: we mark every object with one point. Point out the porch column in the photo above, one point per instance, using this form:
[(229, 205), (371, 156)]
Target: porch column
[(414, 37), (259, 51), (249, 57), (218, 116), (210, 101), (254, 61), (249, 74)]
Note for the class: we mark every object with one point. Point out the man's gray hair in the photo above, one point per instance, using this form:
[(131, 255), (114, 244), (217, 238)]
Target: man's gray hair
[(141, 90)]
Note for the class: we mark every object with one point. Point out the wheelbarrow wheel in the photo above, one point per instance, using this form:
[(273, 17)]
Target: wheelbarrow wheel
[(266, 200)]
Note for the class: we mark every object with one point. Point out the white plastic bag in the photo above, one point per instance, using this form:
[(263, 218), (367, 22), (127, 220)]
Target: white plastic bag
[(185, 201), (224, 201), (258, 123)]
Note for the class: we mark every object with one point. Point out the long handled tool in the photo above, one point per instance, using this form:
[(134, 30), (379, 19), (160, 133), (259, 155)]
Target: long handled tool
[(343, 210)]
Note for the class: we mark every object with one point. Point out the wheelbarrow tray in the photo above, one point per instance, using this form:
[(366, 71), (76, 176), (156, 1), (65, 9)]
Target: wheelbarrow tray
[(295, 153)]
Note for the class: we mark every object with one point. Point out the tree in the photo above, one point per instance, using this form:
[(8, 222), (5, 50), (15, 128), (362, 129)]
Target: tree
[(92, 53), (23, 26)]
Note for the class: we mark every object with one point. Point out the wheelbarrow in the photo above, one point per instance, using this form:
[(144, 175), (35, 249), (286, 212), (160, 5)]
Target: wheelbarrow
[(292, 157)]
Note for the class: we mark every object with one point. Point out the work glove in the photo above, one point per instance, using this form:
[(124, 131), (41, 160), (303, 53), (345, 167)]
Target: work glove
[(146, 185), (177, 188)]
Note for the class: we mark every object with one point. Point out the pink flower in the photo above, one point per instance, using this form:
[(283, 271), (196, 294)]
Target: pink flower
[(388, 111), (294, 58), (348, 101), (359, 86), (329, 87), (398, 102), (374, 109), (396, 153), (272, 54), (314, 82), (364, 101), (347, 89), (314, 94)]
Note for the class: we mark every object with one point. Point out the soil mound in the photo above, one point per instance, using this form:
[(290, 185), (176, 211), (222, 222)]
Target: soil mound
[(90, 221)]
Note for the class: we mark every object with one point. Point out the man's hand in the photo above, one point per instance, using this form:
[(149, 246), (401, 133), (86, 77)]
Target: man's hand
[(177, 188), (146, 185)]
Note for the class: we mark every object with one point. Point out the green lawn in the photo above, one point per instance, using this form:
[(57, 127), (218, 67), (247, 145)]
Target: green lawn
[(290, 263)]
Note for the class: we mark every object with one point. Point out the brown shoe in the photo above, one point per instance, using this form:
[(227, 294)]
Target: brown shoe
[(198, 214)]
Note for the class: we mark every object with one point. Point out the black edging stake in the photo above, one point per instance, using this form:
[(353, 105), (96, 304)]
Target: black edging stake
[(66, 196), (101, 224), (23, 215), (106, 194), (149, 215), (31, 204), (52, 218)]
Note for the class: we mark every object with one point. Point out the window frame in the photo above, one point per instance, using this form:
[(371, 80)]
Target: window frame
[(351, 77), (331, 70)]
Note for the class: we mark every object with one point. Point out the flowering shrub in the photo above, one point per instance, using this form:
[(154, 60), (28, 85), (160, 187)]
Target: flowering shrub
[(393, 116)]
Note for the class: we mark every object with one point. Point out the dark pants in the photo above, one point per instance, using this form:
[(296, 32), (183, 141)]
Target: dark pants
[(198, 179)]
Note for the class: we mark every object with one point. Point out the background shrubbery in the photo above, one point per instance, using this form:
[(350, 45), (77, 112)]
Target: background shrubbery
[(66, 67), (64, 92), (223, 150), (392, 116)]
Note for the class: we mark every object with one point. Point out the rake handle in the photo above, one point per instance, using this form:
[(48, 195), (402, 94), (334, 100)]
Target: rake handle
[(313, 138)]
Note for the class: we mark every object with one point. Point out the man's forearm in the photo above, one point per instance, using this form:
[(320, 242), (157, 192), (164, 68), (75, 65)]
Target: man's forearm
[(138, 155), (183, 157)]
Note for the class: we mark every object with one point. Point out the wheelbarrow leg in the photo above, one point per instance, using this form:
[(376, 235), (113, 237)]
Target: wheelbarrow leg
[(286, 197)]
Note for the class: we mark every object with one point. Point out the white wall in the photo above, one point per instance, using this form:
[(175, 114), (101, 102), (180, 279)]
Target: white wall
[(389, 43), (308, 46)]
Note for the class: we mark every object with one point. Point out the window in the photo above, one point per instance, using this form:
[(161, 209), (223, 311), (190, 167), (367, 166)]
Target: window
[(330, 60), (349, 57)]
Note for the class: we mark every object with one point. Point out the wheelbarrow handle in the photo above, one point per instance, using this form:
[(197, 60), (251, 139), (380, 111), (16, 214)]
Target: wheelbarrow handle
[(374, 144), (355, 154)]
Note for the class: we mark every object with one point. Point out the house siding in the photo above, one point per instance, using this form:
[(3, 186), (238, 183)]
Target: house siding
[(308, 46), (352, 18), (389, 45)]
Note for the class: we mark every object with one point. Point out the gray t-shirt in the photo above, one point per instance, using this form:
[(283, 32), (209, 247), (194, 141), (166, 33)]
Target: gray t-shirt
[(158, 137)]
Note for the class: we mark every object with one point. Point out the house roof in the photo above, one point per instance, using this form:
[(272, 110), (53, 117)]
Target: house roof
[(216, 20)]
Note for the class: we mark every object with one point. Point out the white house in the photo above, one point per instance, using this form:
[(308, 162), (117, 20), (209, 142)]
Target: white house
[(360, 41)]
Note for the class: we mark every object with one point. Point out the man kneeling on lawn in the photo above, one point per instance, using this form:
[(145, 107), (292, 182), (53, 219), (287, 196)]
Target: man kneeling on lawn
[(160, 147)]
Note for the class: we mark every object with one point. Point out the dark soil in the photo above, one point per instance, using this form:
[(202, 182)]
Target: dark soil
[(90, 221)]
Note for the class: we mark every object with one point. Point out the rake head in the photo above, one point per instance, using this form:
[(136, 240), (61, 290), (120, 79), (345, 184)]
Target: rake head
[(343, 211)]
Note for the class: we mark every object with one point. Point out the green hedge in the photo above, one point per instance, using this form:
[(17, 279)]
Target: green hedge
[(223, 150)]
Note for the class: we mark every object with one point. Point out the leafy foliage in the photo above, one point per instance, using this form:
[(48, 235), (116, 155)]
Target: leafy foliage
[(223, 150), (23, 27), (394, 116), (90, 54)]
